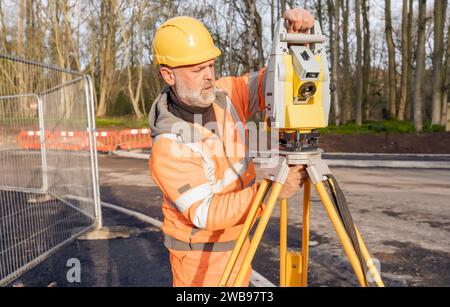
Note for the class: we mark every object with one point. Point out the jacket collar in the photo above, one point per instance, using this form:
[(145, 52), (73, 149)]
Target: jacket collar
[(162, 121)]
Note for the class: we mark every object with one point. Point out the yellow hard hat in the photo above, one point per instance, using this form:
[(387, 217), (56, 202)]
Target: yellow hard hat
[(183, 41)]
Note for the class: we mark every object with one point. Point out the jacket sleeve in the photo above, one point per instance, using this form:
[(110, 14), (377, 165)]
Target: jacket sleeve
[(246, 92), (184, 183)]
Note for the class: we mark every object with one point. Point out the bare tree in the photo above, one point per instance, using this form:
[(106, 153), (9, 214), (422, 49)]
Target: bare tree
[(392, 66), (4, 30), (255, 33), (405, 63), (420, 67), (440, 9), (107, 52), (411, 57), (359, 81), (272, 17), (134, 93), (20, 32), (331, 33), (346, 69), (335, 56), (366, 56), (247, 46), (62, 34), (319, 8), (282, 7), (445, 120)]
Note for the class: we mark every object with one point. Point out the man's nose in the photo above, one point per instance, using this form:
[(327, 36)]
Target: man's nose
[(209, 74)]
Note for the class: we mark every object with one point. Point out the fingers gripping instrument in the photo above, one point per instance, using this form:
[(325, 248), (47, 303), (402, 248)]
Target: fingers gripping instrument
[(297, 93)]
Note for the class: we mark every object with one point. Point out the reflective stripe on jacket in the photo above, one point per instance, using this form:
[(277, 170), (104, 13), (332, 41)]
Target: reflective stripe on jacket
[(207, 178)]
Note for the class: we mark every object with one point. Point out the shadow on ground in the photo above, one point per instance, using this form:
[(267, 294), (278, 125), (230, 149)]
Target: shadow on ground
[(139, 260)]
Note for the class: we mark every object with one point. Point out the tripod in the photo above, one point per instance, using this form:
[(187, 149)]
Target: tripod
[(294, 266)]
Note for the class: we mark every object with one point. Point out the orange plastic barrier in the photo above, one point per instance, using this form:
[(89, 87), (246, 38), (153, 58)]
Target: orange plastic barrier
[(107, 140), (31, 139), (135, 139), (68, 140)]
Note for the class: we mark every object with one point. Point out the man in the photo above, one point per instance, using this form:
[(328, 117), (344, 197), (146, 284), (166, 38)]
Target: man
[(208, 186)]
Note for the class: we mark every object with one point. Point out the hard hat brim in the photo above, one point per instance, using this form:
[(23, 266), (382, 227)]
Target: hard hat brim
[(198, 59)]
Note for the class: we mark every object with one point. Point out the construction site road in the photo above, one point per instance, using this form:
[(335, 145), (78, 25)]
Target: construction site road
[(403, 215)]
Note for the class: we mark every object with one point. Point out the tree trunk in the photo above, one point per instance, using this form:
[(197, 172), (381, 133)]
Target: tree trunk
[(20, 43), (331, 44), (230, 36), (445, 121), (272, 18), (57, 33), (420, 68), (261, 58), (250, 34), (134, 94), (259, 36), (440, 8), (319, 7), (4, 30), (392, 66), (411, 57), (367, 60), (359, 81), (405, 64), (254, 34), (282, 7), (107, 53), (446, 83), (29, 31), (336, 70), (40, 24), (346, 97), (330, 8)]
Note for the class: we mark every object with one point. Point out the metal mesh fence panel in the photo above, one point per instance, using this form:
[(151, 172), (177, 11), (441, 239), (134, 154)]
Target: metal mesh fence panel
[(48, 163)]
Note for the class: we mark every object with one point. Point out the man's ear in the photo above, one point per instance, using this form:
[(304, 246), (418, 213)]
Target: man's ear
[(167, 75)]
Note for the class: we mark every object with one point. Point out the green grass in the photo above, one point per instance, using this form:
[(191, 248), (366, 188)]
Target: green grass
[(370, 127), (120, 122), (375, 127)]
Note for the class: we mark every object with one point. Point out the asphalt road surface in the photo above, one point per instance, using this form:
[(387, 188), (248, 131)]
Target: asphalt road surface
[(403, 215)]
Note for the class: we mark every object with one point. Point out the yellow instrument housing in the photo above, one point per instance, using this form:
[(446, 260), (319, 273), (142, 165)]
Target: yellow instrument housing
[(306, 116), (297, 91)]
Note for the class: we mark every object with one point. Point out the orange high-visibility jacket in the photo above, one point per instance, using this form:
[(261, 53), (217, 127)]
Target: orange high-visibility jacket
[(207, 178)]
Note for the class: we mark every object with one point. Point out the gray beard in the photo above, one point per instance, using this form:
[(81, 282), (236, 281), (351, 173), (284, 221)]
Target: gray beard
[(194, 99), (198, 100)]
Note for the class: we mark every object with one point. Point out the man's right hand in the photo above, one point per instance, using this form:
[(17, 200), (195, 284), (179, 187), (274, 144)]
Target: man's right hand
[(299, 20), (296, 179)]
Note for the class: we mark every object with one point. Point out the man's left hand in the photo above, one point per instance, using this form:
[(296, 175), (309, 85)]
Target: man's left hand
[(299, 20)]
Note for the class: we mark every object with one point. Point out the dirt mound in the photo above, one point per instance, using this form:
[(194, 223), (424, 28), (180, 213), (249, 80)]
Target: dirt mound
[(407, 143)]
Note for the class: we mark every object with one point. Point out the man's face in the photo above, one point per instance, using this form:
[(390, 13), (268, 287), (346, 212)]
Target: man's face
[(194, 84)]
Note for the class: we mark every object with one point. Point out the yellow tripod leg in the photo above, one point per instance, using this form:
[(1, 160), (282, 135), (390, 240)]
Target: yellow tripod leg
[(259, 198), (305, 232), (373, 271), (276, 189), (342, 234), (283, 241)]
